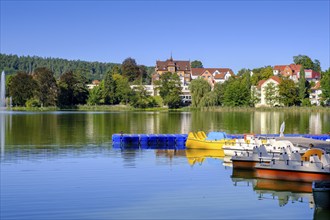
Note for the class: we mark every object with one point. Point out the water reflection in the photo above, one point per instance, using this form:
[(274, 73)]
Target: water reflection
[(267, 122), (282, 191), (5, 125), (2, 134), (72, 128), (198, 156)]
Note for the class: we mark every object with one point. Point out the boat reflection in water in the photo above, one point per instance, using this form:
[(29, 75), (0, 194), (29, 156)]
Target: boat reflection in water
[(200, 155), (283, 191)]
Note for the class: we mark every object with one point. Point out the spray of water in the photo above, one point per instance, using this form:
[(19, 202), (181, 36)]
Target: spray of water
[(3, 90)]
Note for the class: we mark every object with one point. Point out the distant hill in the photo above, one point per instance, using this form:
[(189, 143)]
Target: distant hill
[(93, 70)]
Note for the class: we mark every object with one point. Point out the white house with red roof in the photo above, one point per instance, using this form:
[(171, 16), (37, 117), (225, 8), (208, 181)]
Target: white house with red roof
[(292, 71), (212, 75), (261, 90), (312, 75)]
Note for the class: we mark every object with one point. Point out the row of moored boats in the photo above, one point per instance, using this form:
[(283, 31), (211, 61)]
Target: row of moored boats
[(270, 158)]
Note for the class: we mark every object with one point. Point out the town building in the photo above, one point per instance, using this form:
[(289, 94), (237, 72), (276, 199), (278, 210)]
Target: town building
[(212, 75), (260, 90), (182, 68), (93, 84), (315, 94), (292, 71), (312, 75)]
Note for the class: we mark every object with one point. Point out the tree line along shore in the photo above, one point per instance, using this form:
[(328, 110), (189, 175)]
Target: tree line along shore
[(51, 83)]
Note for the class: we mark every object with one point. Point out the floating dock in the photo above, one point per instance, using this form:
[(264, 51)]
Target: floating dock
[(178, 141), (168, 141)]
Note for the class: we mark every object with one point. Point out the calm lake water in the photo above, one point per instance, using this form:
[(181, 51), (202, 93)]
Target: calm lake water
[(61, 165)]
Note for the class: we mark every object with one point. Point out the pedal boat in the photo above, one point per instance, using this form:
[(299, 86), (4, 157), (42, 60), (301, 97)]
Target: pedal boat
[(272, 147), (212, 141), (314, 165), (248, 160)]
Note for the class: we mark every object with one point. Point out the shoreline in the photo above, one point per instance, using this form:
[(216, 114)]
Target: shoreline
[(124, 108)]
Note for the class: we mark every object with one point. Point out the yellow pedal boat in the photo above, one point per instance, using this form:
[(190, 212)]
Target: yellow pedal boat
[(213, 141)]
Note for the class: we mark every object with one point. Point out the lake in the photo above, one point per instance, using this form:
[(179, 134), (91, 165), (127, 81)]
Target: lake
[(61, 165)]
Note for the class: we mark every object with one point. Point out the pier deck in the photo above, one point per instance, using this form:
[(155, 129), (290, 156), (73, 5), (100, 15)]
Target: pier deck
[(305, 142)]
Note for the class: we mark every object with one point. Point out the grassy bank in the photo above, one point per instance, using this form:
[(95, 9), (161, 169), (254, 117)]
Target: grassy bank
[(184, 109), (267, 109)]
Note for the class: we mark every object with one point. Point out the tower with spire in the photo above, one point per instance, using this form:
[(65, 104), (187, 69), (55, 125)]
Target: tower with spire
[(180, 67)]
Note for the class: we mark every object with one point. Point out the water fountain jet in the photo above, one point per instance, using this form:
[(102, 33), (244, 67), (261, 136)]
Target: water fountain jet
[(3, 90)]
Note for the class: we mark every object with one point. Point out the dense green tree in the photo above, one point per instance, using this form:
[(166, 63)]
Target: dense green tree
[(236, 93), (325, 86), (95, 96), (92, 70), (169, 86), (255, 96), (22, 88), (288, 92), (210, 99), (217, 94), (304, 60), (271, 94), (317, 66), (198, 89), (123, 90), (141, 99), (266, 72), (303, 87), (144, 78), (47, 87), (130, 69), (80, 89), (72, 89), (262, 73), (243, 72), (116, 70), (196, 64), (109, 89), (8, 82)]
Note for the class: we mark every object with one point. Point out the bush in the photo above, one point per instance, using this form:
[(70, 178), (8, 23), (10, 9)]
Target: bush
[(306, 102), (33, 102)]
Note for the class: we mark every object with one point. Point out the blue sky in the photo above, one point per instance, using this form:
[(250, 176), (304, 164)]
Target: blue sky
[(233, 34)]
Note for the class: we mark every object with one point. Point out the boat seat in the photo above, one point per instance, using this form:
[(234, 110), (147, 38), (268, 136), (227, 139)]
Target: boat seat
[(263, 151), (192, 135), (284, 156), (311, 152), (316, 160), (325, 159), (296, 156), (200, 135)]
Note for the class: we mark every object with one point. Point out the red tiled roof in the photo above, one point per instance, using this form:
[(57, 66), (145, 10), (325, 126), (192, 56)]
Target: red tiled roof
[(279, 67), (313, 74), (200, 71), (260, 83), (275, 78), (95, 82), (219, 76), (197, 71), (295, 67), (179, 65)]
